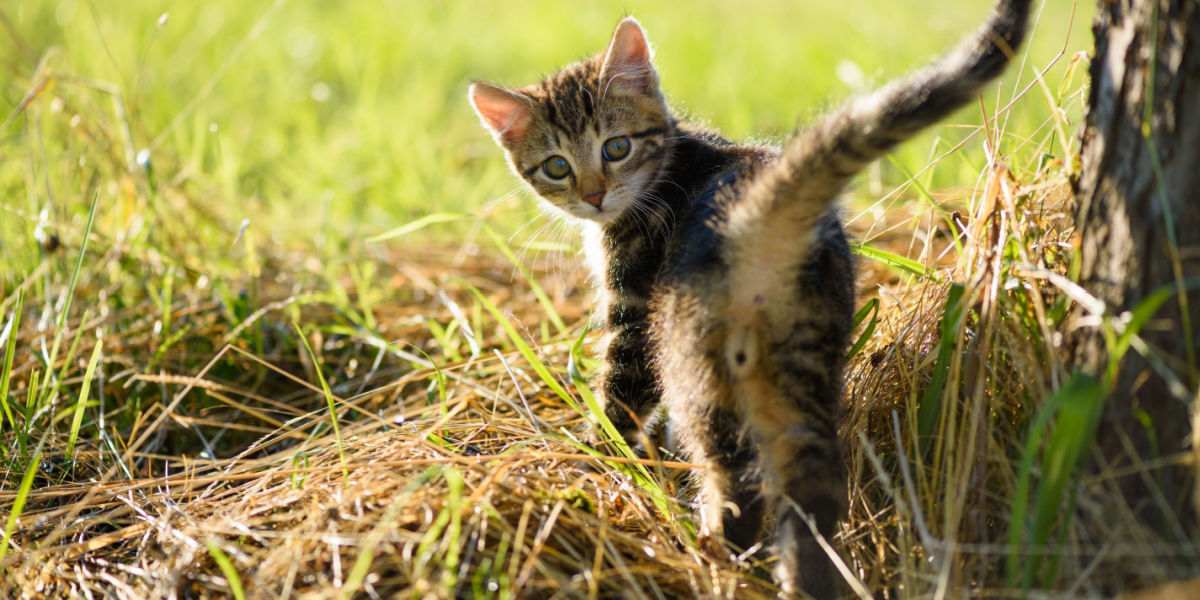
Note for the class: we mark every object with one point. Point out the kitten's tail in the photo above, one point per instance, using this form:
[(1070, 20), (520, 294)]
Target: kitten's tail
[(816, 164)]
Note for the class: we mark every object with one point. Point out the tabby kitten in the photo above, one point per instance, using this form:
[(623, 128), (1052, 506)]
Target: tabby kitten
[(725, 279)]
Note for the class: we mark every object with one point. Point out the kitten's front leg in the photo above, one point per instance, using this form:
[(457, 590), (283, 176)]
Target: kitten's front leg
[(629, 384)]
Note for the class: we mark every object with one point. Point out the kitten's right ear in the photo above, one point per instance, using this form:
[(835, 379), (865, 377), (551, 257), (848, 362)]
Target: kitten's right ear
[(504, 113), (628, 62)]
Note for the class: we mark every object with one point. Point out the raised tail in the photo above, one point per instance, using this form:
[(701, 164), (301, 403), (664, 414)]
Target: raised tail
[(816, 164)]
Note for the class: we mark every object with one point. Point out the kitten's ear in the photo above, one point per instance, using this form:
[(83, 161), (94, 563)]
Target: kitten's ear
[(504, 113), (627, 62)]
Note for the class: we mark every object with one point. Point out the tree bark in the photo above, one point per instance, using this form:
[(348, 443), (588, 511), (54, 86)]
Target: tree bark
[(1139, 226)]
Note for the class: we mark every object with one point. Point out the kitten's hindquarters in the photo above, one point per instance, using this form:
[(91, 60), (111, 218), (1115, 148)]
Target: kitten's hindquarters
[(756, 400), (759, 341)]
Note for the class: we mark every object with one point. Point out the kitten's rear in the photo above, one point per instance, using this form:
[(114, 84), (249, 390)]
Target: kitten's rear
[(773, 317)]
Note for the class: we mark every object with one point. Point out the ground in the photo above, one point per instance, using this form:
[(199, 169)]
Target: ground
[(276, 319)]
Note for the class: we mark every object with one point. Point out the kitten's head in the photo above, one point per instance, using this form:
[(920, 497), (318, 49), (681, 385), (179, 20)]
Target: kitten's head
[(592, 139)]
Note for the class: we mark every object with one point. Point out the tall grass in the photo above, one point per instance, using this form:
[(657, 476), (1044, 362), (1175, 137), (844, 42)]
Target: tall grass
[(191, 183)]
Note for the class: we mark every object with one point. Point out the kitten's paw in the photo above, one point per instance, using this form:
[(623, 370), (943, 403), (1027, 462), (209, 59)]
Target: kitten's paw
[(634, 439), (708, 544), (593, 435), (712, 546), (588, 433)]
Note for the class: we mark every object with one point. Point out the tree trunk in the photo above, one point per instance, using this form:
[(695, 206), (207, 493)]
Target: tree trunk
[(1139, 227)]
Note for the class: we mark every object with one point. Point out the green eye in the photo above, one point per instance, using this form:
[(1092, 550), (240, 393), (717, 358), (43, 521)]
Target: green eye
[(556, 167), (616, 148)]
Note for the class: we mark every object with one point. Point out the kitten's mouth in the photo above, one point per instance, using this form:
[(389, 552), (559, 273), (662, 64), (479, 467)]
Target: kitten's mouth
[(601, 207), (603, 215), (596, 199)]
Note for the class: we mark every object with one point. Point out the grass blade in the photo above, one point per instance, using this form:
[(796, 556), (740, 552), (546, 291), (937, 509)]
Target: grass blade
[(870, 308), (538, 292), (1139, 316), (66, 309), (77, 421), (227, 569), (18, 505), (454, 502), (11, 330), (608, 432), (366, 556), (902, 264), (1076, 410), (595, 413), (524, 348), (329, 401), (930, 408), (417, 225), (591, 408)]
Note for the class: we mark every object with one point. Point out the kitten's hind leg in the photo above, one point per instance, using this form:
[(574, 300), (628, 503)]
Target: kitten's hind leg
[(705, 424), (744, 505), (810, 488), (729, 492), (790, 413)]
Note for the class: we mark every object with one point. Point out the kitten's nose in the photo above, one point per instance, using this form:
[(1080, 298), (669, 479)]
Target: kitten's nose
[(594, 198)]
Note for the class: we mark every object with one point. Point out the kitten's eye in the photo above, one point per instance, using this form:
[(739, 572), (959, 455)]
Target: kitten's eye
[(556, 167), (615, 148)]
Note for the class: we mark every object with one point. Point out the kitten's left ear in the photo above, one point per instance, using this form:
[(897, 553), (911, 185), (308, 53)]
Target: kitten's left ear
[(504, 113), (627, 62)]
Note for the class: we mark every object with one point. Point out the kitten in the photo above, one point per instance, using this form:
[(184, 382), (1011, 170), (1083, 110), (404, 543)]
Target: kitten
[(725, 279)]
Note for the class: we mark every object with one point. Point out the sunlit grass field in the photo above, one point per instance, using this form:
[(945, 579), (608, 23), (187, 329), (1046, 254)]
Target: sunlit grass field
[(275, 319)]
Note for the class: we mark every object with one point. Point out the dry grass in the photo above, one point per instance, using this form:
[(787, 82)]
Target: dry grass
[(478, 487)]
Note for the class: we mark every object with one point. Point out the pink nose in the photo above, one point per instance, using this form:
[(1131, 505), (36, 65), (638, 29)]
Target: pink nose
[(594, 198)]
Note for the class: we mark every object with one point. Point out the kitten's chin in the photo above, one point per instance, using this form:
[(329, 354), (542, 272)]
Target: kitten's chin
[(610, 211), (602, 218)]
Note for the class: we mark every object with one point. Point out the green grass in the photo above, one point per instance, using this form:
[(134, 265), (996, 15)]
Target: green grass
[(182, 183), (330, 402), (227, 569), (18, 502), (11, 327)]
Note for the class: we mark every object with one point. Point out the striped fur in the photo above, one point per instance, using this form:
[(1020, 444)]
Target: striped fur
[(724, 278)]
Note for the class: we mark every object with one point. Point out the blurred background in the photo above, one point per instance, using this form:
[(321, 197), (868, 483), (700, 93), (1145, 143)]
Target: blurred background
[(323, 123)]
